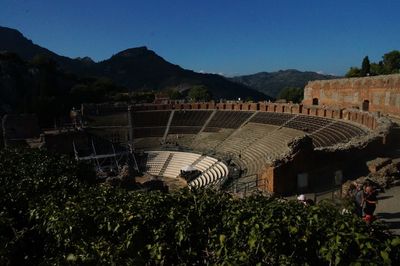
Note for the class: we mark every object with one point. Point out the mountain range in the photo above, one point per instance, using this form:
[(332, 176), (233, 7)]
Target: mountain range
[(272, 83), (135, 68)]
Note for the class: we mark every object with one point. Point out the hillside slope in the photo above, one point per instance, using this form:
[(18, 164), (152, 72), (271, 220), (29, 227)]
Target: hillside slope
[(271, 83)]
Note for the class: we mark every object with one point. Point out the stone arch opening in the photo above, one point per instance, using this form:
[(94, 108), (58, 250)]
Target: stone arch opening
[(315, 101), (365, 105)]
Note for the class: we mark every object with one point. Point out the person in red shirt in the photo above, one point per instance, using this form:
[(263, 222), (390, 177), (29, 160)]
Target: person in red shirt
[(370, 202)]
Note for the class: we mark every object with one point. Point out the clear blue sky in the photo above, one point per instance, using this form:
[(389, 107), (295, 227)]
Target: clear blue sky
[(219, 36)]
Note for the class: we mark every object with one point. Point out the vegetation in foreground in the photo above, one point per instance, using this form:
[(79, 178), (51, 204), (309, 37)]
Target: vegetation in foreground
[(52, 214)]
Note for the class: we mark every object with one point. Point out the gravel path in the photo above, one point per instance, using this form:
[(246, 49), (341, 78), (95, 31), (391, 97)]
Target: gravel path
[(388, 208)]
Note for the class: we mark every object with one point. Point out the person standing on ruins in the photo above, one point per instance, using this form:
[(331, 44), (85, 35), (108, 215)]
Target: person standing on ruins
[(359, 199), (370, 201)]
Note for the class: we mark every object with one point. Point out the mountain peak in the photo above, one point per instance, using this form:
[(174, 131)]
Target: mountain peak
[(86, 60), (5, 31), (134, 52), (14, 41)]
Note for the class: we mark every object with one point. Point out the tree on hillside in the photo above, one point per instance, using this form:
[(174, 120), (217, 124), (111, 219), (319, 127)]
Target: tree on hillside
[(97, 90), (353, 72), (391, 62), (389, 65), (377, 69), (292, 94), (174, 94), (365, 67), (199, 93)]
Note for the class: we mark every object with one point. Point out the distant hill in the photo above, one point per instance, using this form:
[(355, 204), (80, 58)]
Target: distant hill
[(271, 83), (141, 68), (13, 41), (135, 68)]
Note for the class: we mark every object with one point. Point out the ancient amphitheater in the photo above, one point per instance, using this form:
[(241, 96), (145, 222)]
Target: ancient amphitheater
[(281, 148), (240, 146)]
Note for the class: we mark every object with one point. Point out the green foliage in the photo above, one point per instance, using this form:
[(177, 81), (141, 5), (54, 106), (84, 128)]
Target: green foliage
[(142, 97), (377, 69), (50, 215), (391, 62), (365, 67), (389, 65), (174, 94), (353, 72), (291, 94), (199, 93), (98, 90)]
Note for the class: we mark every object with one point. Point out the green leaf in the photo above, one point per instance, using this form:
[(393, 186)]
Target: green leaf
[(385, 257), (396, 241), (71, 257), (222, 239), (252, 241)]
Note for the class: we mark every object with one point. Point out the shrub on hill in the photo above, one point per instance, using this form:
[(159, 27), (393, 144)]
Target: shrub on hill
[(51, 215), (390, 64), (294, 95)]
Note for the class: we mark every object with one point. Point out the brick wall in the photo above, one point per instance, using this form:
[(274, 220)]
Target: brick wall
[(378, 93)]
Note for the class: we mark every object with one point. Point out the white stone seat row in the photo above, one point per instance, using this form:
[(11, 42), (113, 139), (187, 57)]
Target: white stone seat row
[(214, 175), (213, 171)]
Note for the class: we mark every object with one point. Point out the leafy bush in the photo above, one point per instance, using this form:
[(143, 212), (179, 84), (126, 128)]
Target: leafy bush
[(294, 95), (50, 215)]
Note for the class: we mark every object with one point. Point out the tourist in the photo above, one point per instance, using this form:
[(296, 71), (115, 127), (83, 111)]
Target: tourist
[(310, 202), (302, 198), (358, 200), (370, 202)]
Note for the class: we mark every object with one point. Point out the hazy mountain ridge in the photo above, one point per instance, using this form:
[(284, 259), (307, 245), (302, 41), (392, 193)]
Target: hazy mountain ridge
[(135, 68), (272, 83)]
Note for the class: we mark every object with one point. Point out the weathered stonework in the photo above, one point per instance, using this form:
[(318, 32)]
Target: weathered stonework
[(378, 93)]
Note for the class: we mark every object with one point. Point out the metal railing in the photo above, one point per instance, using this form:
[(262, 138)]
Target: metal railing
[(247, 188)]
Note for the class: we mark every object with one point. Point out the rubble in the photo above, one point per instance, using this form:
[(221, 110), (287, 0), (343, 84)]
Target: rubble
[(385, 177)]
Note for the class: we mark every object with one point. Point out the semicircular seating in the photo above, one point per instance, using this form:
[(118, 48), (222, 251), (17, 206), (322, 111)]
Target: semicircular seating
[(169, 164), (253, 139), (323, 131)]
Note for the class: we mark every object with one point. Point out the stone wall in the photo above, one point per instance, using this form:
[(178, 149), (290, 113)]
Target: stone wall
[(378, 93), (319, 165), (281, 176)]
